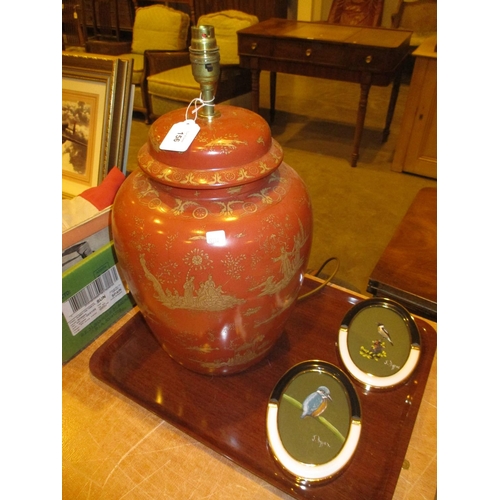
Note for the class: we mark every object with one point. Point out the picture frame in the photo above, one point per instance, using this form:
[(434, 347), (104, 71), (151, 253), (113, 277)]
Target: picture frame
[(313, 422), (97, 100), (379, 343)]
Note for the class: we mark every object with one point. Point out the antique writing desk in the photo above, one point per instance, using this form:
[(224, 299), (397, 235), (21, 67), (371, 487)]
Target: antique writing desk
[(368, 56), (407, 270), (136, 425)]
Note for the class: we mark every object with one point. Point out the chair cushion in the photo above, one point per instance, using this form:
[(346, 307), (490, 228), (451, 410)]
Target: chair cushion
[(159, 27), (177, 84), (226, 23)]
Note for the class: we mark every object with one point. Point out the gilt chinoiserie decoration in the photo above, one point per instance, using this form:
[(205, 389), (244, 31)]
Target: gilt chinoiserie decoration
[(214, 241)]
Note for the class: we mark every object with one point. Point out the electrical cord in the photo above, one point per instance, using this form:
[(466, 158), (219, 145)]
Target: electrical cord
[(317, 289)]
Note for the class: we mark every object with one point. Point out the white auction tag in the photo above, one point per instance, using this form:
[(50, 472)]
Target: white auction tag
[(180, 136)]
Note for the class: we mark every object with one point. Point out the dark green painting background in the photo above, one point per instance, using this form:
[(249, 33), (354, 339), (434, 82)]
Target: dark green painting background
[(307, 439), (363, 330)]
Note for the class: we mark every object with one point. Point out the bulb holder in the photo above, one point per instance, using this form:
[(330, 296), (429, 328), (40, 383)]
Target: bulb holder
[(205, 64)]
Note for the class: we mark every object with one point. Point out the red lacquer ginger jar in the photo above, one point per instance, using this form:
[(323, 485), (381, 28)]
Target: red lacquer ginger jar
[(213, 242)]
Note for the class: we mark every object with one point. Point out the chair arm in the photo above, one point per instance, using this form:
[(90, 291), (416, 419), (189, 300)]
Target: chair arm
[(156, 61)]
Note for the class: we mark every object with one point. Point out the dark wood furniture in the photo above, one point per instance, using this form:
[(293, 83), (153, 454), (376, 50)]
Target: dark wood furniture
[(73, 33), (368, 56), (407, 270), (97, 24), (108, 19)]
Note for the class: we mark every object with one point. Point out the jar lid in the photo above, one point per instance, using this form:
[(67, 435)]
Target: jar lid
[(233, 148)]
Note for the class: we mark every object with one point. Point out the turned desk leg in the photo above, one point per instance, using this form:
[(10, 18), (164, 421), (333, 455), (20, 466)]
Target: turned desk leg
[(360, 122), (273, 95), (255, 90), (392, 103)]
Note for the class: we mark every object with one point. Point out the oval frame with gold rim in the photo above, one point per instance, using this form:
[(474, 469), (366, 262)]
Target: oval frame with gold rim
[(379, 343), (310, 447)]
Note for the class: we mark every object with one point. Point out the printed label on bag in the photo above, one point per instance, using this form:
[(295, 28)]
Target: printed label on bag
[(92, 300), (180, 136)]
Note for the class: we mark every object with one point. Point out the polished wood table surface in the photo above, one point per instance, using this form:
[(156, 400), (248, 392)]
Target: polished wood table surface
[(407, 269), (115, 448), (368, 56)]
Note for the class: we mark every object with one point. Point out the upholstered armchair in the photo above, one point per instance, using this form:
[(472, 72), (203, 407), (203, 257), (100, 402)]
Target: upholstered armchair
[(156, 27), (170, 82), (419, 16)]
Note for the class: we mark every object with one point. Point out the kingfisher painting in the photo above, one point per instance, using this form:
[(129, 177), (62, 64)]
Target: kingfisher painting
[(316, 403)]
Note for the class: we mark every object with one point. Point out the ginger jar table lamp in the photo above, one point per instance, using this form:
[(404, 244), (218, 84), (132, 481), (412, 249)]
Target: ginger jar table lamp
[(213, 240)]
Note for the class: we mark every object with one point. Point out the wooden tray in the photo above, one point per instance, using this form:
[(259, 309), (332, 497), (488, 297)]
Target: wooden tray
[(228, 414)]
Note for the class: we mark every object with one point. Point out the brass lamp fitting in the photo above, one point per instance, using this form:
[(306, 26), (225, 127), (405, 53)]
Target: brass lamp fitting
[(205, 57)]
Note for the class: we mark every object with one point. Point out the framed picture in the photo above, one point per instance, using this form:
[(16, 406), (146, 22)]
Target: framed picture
[(313, 422), (97, 98), (379, 343)]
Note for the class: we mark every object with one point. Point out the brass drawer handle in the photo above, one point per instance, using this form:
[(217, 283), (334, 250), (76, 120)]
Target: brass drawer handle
[(253, 46), (308, 52), (368, 59)]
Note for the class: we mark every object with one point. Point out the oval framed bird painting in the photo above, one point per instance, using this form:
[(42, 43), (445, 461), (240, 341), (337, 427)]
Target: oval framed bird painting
[(379, 343), (313, 421)]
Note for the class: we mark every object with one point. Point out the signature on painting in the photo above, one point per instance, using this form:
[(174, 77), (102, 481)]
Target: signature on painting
[(391, 365), (317, 439)]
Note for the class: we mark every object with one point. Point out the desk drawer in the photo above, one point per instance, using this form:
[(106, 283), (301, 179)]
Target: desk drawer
[(310, 51), (292, 50), (254, 46), (374, 59), (356, 58), (338, 55)]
